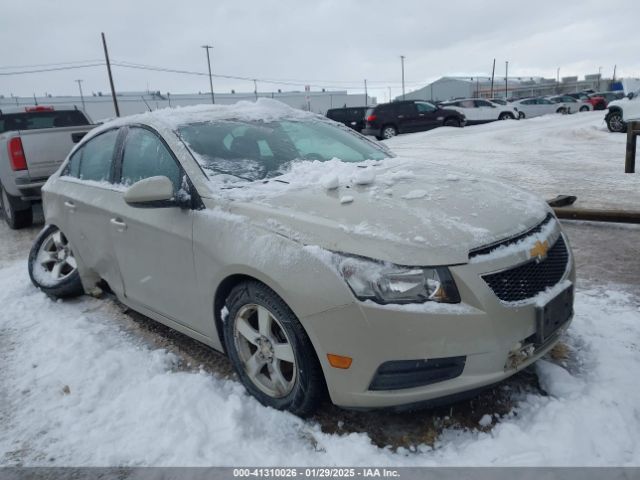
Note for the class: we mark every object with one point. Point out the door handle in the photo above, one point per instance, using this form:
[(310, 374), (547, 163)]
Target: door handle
[(70, 205), (400, 116), (119, 224), (421, 114)]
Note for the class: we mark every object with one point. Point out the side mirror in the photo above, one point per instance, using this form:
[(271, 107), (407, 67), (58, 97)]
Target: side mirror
[(152, 192)]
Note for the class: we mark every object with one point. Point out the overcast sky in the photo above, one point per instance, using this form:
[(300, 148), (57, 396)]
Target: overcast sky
[(327, 43)]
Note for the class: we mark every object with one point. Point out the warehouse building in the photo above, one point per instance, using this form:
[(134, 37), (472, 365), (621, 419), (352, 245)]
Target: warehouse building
[(100, 105), (447, 88)]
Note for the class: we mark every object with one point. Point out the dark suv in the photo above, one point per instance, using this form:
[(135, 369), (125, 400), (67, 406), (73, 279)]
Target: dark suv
[(389, 119), (350, 116)]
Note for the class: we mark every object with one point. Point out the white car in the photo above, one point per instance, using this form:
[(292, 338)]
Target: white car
[(535, 107), (574, 105), (623, 111), (478, 110)]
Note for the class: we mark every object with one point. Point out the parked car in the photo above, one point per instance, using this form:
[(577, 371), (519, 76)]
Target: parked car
[(352, 117), (499, 101), (34, 141), (534, 107), (622, 112), (600, 100), (188, 218), (478, 110), (573, 104), (386, 120)]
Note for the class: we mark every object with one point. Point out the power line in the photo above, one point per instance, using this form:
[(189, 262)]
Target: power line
[(55, 69), (56, 64)]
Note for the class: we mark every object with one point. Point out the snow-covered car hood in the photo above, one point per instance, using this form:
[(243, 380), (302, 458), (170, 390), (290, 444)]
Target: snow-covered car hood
[(408, 217)]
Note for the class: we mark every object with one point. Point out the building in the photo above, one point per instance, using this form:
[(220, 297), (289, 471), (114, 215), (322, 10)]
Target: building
[(99, 106), (447, 88)]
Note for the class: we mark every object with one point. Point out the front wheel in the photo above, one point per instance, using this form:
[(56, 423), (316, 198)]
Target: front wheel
[(584, 109), (615, 123), (15, 216), (521, 115), (562, 111), (452, 122), (270, 350), (52, 266), (506, 116)]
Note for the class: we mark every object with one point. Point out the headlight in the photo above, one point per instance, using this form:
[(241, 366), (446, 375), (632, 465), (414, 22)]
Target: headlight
[(388, 283)]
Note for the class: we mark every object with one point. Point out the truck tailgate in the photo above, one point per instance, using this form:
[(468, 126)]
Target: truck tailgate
[(45, 149)]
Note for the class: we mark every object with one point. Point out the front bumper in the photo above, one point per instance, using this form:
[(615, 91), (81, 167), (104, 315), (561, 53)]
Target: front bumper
[(490, 335)]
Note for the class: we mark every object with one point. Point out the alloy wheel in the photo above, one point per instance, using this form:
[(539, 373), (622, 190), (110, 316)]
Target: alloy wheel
[(265, 350), (389, 132), (616, 123), (55, 258), (6, 207)]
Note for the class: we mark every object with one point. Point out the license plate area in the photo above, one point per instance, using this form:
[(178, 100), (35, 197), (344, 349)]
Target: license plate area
[(557, 312)]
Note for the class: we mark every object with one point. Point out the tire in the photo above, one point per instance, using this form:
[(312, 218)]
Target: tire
[(506, 116), (298, 385), (14, 216), (389, 131), (615, 123), (52, 266), (584, 109), (562, 111), (379, 137), (521, 115), (451, 122)]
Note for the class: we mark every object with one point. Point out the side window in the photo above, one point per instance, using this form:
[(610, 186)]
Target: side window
[(406, 109), (92, 161), (425, 107), (146, 156), (482, 103), (528, 102)]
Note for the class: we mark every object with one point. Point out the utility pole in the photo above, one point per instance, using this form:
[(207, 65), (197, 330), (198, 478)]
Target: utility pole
[(402, 63), (389, 94), (493, 73), (599, 76), (113, 90), (81, 95), (365, 93), (558, 80), (506, 79), (255, 88), (207, 48), (614, 73)]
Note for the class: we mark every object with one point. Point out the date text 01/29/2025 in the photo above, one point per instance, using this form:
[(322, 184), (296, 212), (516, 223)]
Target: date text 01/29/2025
[(315, 472)]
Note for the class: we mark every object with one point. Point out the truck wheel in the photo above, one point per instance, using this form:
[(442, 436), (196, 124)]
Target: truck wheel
[(52, 265), (270, 350), (14, 216), (615, 123)]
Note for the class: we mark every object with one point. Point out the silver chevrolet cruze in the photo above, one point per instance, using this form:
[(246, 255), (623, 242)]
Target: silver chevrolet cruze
[(315, 258)]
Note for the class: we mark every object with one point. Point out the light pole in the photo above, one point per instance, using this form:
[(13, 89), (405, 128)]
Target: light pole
[(402, 63), (365, 92), (81, 95), (506, 81), (599, 76), (558, 80), (207, 48)]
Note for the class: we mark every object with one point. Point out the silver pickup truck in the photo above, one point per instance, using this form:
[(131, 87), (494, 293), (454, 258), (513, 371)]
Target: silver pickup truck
[(33, 143)]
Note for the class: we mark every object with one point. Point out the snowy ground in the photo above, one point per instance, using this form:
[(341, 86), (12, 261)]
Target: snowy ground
[(550, 155), (83, 383)]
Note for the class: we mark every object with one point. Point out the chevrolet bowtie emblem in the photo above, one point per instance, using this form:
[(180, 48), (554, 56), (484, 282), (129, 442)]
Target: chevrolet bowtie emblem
[(539, 250)]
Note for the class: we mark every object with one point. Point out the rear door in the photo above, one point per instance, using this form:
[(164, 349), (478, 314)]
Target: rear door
[(153, 245), (407, 117), (486, 111), (87, 193)]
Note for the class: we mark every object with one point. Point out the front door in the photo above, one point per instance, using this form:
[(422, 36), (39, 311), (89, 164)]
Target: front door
[(154, 245), (427, 116)]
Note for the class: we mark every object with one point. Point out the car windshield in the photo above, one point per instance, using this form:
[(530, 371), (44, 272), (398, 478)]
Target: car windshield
[(256, 150)]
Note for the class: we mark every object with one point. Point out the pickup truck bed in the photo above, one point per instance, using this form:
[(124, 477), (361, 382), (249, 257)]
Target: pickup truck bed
[(33, 144)]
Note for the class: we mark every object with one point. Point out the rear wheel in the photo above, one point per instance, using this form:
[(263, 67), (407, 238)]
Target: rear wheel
[(14, 211), (584, 108), (615, 123), (270, 350), (52, 265), (506, 116), (389, 131), (452, 122)]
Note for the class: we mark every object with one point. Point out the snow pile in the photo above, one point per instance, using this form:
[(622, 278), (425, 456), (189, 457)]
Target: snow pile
[(78, 390)]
